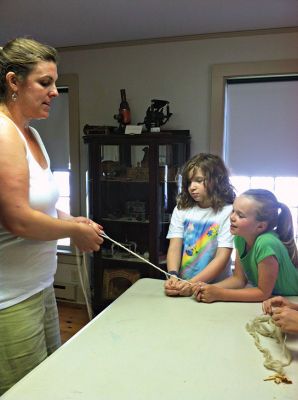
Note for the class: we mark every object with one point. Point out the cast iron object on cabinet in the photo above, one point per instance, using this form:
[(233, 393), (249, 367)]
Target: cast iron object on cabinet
[(131, 193), (155, 116)]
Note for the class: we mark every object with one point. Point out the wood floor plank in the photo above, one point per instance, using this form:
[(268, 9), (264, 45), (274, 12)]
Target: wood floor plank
[(72, 317)]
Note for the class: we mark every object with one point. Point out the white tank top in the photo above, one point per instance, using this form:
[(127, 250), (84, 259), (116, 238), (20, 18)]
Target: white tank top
[(28, 266)]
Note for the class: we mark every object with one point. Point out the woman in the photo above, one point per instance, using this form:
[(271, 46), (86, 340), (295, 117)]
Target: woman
[(30, 225)]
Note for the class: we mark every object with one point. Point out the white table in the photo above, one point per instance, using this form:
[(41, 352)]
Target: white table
[(149, 346)]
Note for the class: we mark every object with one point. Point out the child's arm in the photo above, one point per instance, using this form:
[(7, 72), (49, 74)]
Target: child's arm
[(173, 266), (215, 267), (174, 255), (268, 271)]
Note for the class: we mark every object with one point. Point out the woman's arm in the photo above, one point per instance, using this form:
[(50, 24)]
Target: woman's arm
[(267, 271), (67, 217), (16, 215), (277, 301), (286, 318)]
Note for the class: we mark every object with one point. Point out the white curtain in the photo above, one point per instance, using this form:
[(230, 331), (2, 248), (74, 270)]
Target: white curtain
[(261, 127)]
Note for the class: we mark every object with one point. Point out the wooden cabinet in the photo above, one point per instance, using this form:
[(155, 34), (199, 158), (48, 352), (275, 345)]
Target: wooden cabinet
[(132, 187)]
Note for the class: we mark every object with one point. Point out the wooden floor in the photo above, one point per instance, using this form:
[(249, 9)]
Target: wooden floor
[(72, 318)]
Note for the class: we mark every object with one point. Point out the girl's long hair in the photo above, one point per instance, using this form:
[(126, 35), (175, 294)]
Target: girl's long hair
[(219, 188), (278, 216)]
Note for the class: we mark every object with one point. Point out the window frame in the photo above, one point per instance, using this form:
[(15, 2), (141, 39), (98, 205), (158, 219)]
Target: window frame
[(221, 73), (71, 82)]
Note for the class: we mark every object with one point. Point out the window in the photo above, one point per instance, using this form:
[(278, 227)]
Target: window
[(276, 170), (285, 189), (60, 134), (63, 204)]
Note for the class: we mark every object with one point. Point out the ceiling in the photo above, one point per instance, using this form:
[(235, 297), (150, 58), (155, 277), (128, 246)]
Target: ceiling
[(63, 23)]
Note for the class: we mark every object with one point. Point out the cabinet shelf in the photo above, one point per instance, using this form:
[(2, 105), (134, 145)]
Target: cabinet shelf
[(132, 189), (125, 220), (131, 259)]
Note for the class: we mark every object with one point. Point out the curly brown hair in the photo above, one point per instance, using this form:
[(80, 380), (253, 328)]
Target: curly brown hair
[(219, 188)]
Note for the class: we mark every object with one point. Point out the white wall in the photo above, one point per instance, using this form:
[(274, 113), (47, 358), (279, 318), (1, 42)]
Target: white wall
[(179, 72)]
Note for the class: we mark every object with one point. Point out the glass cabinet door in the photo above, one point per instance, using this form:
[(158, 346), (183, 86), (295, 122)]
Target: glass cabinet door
[(133, 182), (124, 200)]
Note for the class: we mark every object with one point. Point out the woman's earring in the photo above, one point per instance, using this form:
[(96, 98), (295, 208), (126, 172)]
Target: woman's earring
[(14, 97)]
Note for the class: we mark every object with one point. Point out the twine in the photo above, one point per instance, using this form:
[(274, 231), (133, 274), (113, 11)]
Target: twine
[(104, 235), (264, 325)]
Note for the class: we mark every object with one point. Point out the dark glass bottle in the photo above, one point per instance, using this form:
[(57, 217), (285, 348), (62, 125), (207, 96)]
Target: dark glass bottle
[(124, 110)]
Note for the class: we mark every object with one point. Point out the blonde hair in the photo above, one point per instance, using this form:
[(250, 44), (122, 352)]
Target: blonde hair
[(278, 217), (21, 56)]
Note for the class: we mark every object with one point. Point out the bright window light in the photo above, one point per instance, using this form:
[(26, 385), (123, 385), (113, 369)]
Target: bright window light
[(284, 188), (63, 204)]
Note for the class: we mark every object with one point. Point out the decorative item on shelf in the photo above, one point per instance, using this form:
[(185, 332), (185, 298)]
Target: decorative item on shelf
[(110, 169), (137, 173), (94, 129), (135, 210), (145, 160), (124, 115), (116, 281), (155, 116), (116, 214), (117, 251)]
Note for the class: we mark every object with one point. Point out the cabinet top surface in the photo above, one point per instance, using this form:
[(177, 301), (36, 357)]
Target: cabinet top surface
[(145, 137)]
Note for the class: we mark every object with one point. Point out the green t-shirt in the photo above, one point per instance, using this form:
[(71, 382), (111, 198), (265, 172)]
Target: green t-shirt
[(268, 244)]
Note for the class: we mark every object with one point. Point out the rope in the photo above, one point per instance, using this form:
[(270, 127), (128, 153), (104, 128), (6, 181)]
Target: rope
[(265, 326), (83, 272), (104, 235), (84, 280)]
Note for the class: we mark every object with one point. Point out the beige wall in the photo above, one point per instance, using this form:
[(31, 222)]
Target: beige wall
[(179, 72)]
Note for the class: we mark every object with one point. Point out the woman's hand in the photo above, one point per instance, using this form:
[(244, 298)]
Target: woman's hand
[(286, 318), (174, 287), (277, 301), (87, 236)]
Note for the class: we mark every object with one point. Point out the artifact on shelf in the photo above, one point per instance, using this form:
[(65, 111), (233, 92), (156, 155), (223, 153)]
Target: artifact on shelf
[(98, 129), (117, 251), (124, 115), (111, 169), (157, 114)]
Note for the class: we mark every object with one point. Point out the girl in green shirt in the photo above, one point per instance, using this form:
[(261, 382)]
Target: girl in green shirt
[(266, 253)]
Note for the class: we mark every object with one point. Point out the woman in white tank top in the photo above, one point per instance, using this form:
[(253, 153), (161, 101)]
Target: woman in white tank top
[(30, 225)]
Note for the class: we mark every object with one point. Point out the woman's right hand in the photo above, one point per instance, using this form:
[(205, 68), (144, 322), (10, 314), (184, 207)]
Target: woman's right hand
[(86, 237), (277, 301)]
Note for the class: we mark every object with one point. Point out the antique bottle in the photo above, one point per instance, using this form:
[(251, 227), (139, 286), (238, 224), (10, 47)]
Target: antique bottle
[(124, 110), (124, 116)]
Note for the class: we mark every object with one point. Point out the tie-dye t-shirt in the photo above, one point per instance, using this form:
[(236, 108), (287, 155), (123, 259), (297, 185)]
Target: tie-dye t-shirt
[(202, 231)]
